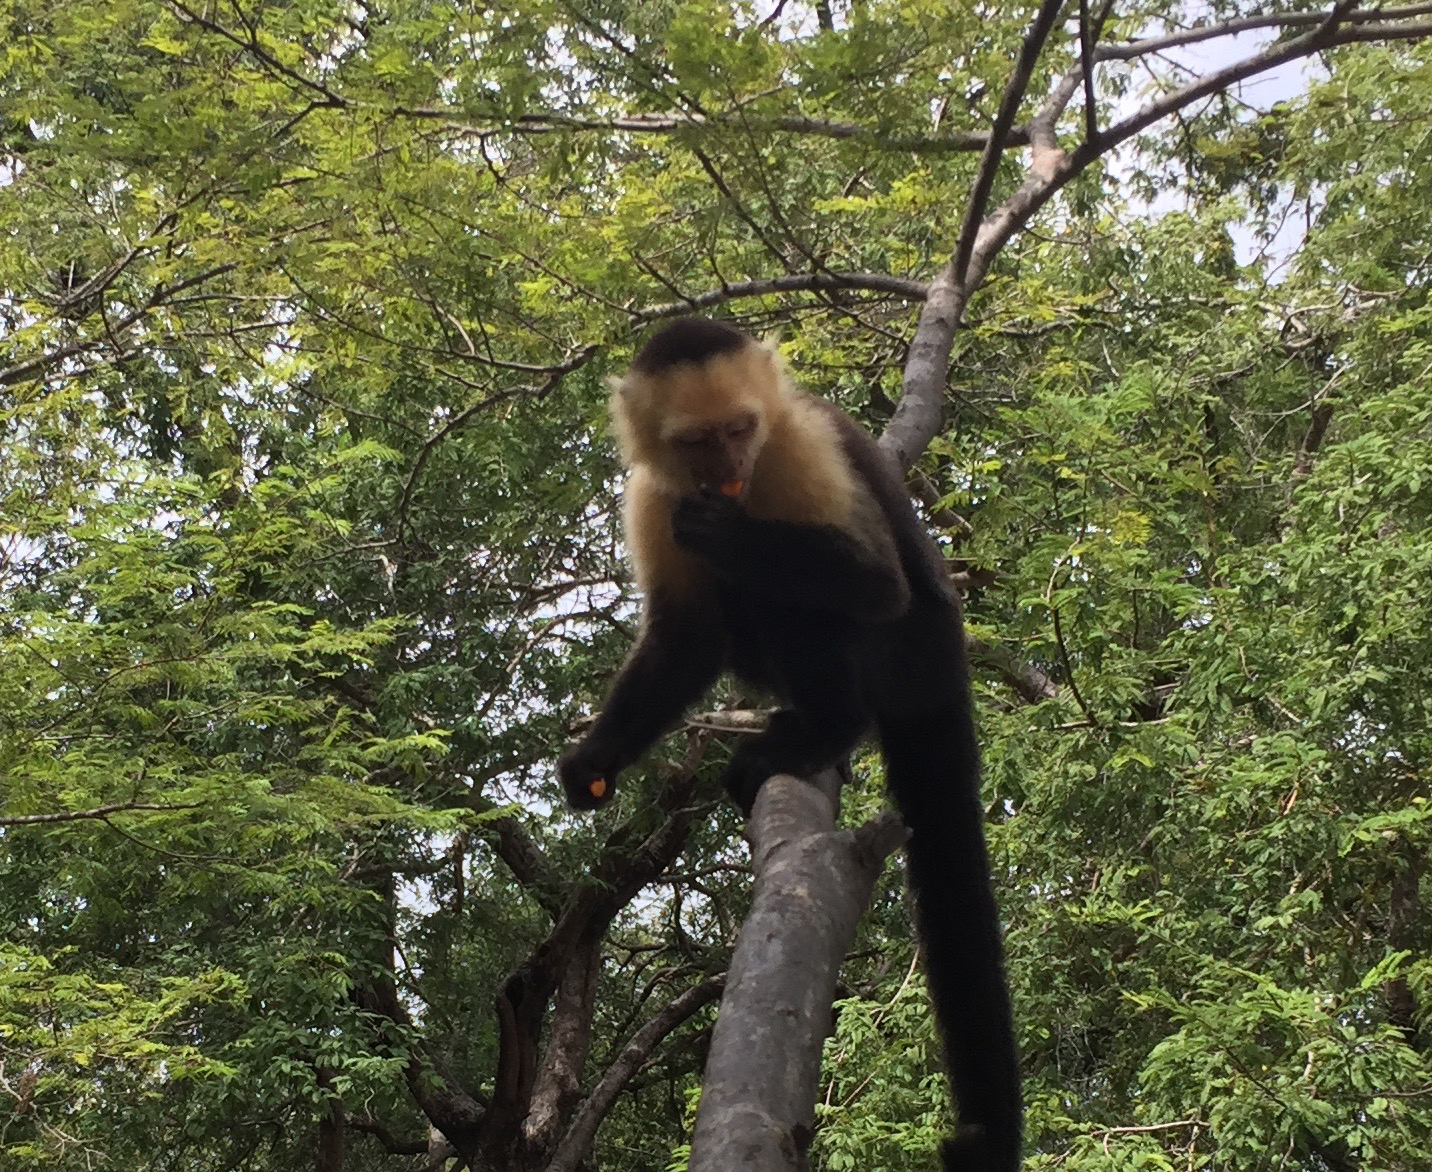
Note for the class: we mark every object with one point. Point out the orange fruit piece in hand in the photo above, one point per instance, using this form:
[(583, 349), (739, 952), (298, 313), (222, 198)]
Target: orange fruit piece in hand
[(597, 787), (732, 487)]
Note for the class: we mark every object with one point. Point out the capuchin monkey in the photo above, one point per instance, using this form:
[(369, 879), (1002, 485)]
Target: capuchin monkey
[(772, 537)]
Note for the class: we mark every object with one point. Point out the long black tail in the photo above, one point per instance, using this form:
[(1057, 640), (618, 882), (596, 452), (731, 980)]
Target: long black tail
[(932, 767)]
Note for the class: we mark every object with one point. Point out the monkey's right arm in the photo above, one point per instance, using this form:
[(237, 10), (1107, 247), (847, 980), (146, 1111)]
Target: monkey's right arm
[(678, 655)]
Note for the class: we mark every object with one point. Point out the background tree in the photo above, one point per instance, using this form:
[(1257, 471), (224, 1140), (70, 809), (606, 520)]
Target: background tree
[(307, 556)]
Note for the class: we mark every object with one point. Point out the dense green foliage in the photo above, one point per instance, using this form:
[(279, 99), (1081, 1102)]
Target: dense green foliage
[(308, 556)]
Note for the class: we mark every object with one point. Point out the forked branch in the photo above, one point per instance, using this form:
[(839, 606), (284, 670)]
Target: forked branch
[(919, 416)]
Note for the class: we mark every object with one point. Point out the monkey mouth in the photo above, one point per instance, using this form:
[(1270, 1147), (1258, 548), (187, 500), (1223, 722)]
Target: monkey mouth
[(733, 488)]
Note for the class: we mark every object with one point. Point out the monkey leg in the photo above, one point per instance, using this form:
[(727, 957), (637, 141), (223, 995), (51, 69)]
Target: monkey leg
[(825, 720)]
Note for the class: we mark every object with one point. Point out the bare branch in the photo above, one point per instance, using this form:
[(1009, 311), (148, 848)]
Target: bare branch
[(794, 283), (634, 855), (99, 813), (553, 121), (1090, 30)]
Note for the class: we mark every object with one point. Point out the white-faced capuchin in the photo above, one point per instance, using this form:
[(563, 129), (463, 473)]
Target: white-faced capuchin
[(772, 537)]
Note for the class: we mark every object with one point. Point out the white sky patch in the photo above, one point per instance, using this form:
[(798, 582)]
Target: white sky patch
[(1181, 65)]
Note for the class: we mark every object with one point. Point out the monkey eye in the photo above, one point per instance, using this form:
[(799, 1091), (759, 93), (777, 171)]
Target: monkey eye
[(689, 441), (742, 428)]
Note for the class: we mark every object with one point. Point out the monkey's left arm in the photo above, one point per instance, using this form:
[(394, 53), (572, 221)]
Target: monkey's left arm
[(855, 572)]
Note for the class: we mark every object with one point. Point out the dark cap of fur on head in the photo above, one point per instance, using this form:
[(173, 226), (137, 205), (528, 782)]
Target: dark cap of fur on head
[(687, 339)]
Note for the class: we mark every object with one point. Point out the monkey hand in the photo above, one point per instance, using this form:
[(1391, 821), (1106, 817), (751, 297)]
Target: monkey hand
[(707, 523), (587, 778)]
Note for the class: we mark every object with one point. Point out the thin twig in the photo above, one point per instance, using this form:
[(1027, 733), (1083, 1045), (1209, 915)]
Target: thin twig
[(99, 813)]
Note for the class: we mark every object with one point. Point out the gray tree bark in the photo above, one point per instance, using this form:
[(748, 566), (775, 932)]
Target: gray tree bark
[(812, 885)]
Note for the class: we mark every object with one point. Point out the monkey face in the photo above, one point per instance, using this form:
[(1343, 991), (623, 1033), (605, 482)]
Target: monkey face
[(719, 455), (700, 422)]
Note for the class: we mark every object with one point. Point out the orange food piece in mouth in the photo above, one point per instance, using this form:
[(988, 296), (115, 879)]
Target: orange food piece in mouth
[(733, 488), (597, 787)]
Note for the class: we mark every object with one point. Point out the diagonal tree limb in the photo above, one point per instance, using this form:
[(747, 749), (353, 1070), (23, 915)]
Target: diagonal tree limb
[(1331, 30), (1032, 684), (99, 813), (515, 847), (578, 1140), (391, 1143), (1004, 119)]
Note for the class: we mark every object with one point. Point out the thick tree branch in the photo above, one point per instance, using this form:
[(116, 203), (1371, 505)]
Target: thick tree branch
[(390, 1142), (918, 417), (1026, 679), (812, 885), (558, 1084), (578, 1140)]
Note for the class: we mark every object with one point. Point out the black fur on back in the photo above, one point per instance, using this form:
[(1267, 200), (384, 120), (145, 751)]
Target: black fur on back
[(687, 340)]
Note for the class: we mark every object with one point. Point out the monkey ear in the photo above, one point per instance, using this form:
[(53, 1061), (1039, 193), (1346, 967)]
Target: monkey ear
[(614, 383), (769, 348)]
